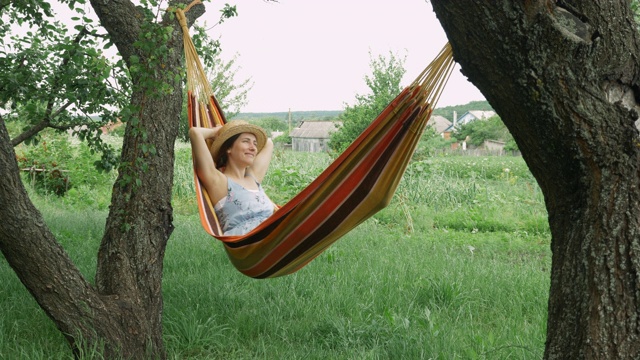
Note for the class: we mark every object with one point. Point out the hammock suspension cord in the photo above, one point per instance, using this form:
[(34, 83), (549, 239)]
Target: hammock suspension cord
[(360, 181)]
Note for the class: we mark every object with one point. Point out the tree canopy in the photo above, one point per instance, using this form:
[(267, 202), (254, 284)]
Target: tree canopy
[(59, 75), (67, 75), (481, 130), (384, 83)]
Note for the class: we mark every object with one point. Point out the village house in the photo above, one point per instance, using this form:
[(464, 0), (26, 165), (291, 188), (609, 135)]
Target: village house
[(473, 115), (439, 123), (466, 118), (312, 136), (492, 146)]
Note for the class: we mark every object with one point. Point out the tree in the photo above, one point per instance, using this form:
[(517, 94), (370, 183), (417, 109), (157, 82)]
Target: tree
[(384, 83), (272, 123), (561, 75), (430, 142), (283, 139), (122, 312), (50, 79), (480, 130), (635, 7)]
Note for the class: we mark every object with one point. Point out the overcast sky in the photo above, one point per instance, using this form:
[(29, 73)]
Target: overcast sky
[(314, 55)]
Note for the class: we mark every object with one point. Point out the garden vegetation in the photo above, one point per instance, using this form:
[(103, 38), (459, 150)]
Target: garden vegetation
[(457, 266)]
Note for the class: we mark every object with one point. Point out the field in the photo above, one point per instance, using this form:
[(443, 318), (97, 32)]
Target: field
[(456, 267)]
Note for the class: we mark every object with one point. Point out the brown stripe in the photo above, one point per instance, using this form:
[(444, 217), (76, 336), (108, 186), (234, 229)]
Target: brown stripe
[(348, 206), (260, 235)]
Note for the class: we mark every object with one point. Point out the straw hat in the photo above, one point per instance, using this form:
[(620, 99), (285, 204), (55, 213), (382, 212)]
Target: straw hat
[(236, 127)]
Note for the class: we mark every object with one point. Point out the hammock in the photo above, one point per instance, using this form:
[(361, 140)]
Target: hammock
[(360, 182)]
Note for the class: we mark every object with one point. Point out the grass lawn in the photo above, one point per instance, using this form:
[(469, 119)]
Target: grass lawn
[(457, 267)]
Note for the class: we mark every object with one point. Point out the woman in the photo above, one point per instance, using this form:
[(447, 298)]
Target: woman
[(231, 171)]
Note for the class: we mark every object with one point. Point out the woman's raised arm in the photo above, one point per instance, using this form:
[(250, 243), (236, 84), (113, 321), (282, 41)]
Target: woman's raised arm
[(262, 161), (205, 168)]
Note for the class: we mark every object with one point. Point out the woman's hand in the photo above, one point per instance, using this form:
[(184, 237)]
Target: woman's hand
[(195, 133)]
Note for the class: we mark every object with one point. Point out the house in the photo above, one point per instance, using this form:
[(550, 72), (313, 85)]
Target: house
[(473, 115), (312, 136), (439, 123), (466, 118)]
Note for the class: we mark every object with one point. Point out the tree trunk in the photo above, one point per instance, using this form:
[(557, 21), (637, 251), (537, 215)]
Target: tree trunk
[(563, 76), (122, 313)]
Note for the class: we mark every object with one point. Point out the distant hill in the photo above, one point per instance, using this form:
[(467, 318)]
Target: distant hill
[(297, 116), (447, 111)]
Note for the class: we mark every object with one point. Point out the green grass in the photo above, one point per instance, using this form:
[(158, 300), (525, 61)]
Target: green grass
[(457, 267)]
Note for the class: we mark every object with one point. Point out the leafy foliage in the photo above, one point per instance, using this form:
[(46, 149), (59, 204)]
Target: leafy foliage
[(429, 142), (635, 7), (384, 83), (58, 76), (52, 76), (57, 166), (223, 82), (27, 11), (291, 172), (272, 124), (284, 138), (480, 130)]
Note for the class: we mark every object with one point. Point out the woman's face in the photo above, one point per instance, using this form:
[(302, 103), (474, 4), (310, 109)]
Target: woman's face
[(244, 149)]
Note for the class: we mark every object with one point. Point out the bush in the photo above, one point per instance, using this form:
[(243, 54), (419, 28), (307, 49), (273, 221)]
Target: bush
[(283, 139), (46, 164), (54, 181), (56, 165), (481, 130), (429, 143)]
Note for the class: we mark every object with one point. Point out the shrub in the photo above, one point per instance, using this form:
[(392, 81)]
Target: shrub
[(45, 164), (56, 164)]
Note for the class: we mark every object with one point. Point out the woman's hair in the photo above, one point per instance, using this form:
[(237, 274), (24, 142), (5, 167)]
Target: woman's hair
[(223, 157)]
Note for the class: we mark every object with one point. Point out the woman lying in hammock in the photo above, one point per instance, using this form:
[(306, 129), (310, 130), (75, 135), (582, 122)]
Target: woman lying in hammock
[(231, 172)]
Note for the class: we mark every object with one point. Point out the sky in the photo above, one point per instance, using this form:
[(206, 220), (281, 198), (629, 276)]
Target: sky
[(310, 55), (307, 55)]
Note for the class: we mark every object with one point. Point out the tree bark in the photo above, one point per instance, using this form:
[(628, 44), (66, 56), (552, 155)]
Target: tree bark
[(563, 76), (122, 313)]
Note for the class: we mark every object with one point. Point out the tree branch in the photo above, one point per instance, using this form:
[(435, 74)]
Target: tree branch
[(45, 123), (4, 3), (30, 132), (49, 115)]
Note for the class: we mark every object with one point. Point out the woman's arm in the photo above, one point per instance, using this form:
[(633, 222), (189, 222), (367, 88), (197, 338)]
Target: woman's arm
[(262, 161), (212, 179)]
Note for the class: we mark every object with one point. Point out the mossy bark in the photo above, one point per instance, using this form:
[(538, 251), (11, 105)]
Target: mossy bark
[(121, 315), (563, 76)]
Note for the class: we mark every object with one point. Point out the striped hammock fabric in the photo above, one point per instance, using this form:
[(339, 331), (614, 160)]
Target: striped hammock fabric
[(360, 182)]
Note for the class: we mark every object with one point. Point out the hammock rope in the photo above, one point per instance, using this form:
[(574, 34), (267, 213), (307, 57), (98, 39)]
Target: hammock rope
[(359, 183)]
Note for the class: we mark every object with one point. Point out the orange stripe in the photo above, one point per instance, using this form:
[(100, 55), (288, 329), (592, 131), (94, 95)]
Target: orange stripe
[(329, 202), (285, 242)]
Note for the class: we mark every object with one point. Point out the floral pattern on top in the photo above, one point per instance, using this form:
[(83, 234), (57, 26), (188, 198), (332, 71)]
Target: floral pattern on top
[(242, 210)]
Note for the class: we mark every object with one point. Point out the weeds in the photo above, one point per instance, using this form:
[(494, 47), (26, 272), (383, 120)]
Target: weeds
[(455, 267)]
